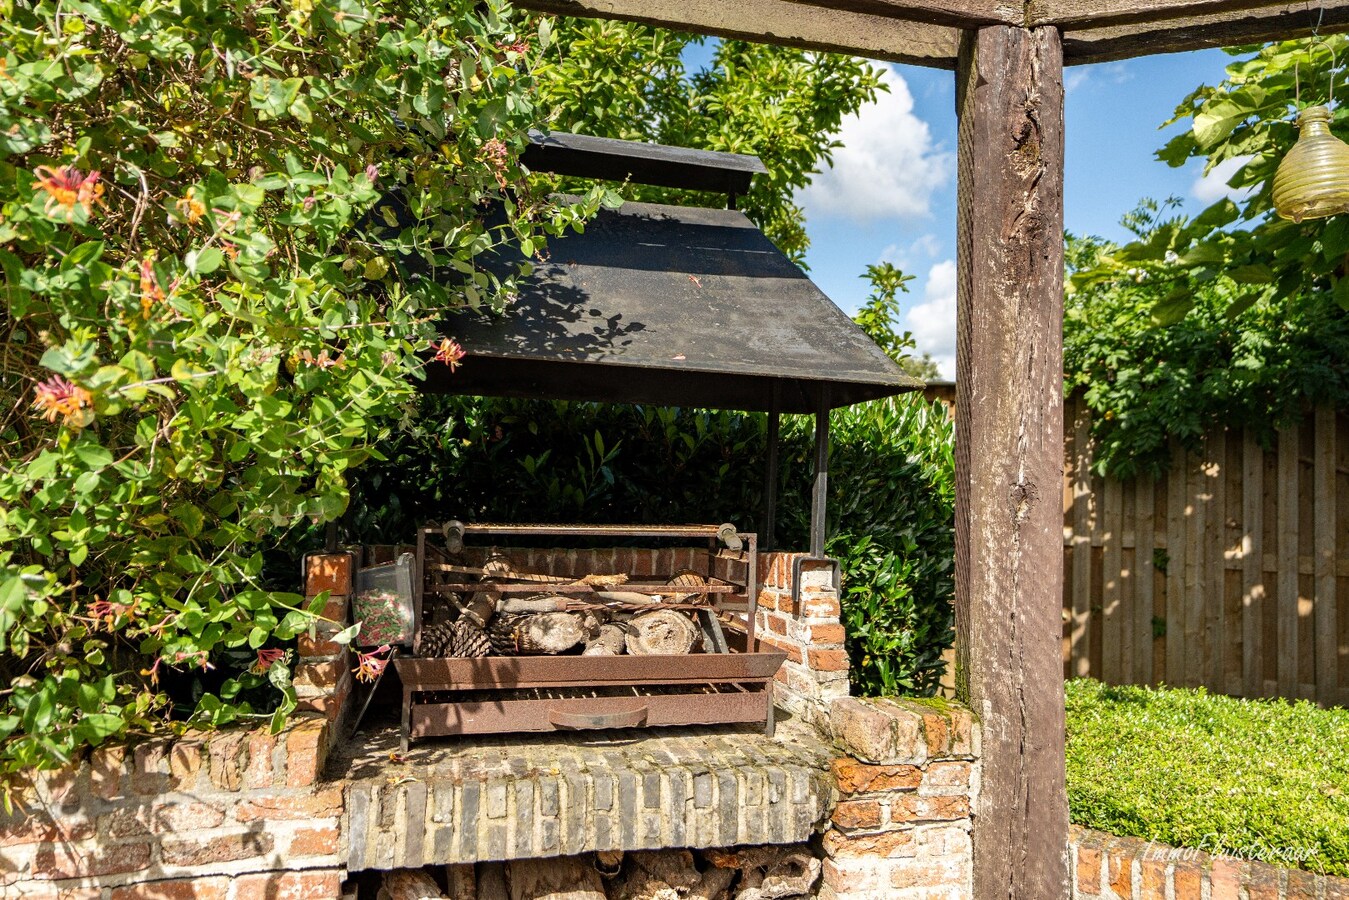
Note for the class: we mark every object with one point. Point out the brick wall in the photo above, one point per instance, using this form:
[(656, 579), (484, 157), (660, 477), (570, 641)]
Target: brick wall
[(1116, 868), (322, 676), (907, 781), (807, 630), (231, 815)]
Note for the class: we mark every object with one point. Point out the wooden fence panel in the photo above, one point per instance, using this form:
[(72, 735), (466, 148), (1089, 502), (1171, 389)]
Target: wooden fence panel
[(1231, 571)]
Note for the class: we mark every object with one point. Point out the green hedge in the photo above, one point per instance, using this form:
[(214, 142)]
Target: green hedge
[(1216, 773), (891, 496)]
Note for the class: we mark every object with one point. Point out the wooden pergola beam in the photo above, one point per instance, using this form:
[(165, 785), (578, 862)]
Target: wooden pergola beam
[(1198, 31), (927, 32), (1009, 452), (804, 25)]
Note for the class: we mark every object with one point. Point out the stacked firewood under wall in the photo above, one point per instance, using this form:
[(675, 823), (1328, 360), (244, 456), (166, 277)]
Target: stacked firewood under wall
[(523, 614), (744, 873)]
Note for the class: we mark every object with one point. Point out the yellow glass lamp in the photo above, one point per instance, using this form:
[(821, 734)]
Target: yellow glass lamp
[(1312, 181)]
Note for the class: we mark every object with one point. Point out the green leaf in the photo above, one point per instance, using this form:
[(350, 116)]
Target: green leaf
[(1173, 307), (204, 261)]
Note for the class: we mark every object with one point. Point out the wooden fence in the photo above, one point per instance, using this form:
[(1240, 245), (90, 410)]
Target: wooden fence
[(1231, 571)]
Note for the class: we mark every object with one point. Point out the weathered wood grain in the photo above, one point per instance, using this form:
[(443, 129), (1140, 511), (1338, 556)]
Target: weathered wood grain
[(1323, 496), (1288, 553), (1225, 25), (1009, 452), (1081, 542), (1176, 508), (813, 27), (1252, 572), (1144, 517), (1112, 584)]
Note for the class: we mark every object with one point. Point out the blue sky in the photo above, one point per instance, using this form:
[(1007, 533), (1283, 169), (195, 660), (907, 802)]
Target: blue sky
[(891, 194)]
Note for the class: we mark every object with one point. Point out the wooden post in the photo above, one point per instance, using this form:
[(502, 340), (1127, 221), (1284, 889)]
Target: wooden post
[(1009, 453)]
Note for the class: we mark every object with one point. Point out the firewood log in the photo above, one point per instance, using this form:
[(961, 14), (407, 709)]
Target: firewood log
[(560, 878), (611, 641), (715, 885), (480, 607), (793, 874), (492, 881), (661, 631), (625, 597), (461, 881), (674, 867), (411, 884), (531, 605), (550, 633), (608, 862)]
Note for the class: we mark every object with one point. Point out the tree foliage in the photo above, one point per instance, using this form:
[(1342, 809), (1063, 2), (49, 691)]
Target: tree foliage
[(879, 317), (205, 325), (622, 80), (1234, 316)]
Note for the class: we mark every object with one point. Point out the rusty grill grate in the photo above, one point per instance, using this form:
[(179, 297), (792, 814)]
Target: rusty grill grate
[(726, 679)]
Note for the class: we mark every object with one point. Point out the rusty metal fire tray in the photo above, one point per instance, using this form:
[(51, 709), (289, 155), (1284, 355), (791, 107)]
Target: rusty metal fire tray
[(706, 573)]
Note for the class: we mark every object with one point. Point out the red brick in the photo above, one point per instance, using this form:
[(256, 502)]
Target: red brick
[(1224, 879), (150, 771), (916, 874), (888, 844), (827, 634), (322, 841), (859, 877), (828, 660), (820, 607), (325, 884), (40, 827), (320, 675), (185, 764), (60, 861), (1088, 870), (328, 572), (261, 745), (63, 893), (191, 851), (792, 650), (937, 732), (306, 750), (947, 775), (1188, 878), (1263, 883), (776, 624), (329, 705), (1152, 884), (105, 771), (856, 778), (319, 804), (318, 645), (1301, 885), (228, 757), (1336, 888), (912, 808), (857, 814), (1119, 872), (336, 609), (213, 888)]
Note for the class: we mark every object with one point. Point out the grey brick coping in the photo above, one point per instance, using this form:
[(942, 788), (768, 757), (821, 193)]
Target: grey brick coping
[(471, 799)]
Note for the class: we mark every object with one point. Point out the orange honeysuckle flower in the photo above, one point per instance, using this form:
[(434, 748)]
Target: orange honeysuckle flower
[(449, 352), (269, 658), (151, 292), (190, 209), (68, 189), (370, 665), (57, 398)]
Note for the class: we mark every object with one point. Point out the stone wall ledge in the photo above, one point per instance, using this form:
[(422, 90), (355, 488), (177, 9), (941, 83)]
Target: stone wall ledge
[(903, 732), (528, 796), (1107, 867)]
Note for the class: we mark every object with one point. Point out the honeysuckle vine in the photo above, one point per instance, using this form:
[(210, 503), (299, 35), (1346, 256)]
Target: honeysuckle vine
[(206, 321)]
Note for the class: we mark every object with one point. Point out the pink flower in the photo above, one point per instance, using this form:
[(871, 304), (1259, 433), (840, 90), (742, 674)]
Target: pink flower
[(67, 189), (267, 659), (449, 352), (372, 172), (57, 398), (107, 613), (370, 666)]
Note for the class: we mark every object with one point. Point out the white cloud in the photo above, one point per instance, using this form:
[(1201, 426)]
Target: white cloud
[(933, 322), (1213, 186), (910, 256), (1075, 77), (888, 165)]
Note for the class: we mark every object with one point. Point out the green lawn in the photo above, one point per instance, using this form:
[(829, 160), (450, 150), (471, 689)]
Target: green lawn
[(1192, 769)]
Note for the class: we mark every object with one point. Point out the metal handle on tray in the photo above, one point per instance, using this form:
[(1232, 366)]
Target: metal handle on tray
[(628, 718)]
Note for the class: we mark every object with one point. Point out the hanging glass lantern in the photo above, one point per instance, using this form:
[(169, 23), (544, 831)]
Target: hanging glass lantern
[(1312, 181)]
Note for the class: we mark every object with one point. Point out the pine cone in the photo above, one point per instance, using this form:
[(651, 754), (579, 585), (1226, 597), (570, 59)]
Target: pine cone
[(455, 639), (436, 640), (469, 641), (501, 632)]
